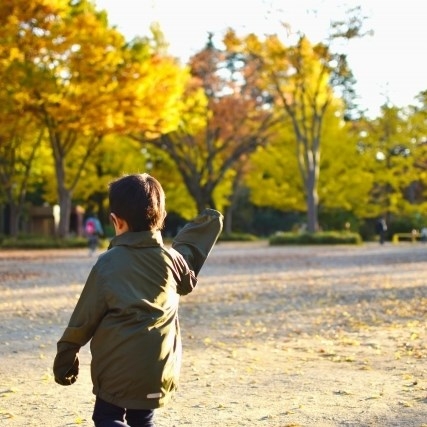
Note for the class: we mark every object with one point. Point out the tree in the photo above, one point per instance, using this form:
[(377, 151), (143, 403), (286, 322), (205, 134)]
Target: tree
[(303, 80), (223, 118), (417, 127), (344, 184), (393, 145), (20, 145), (20, 136), (83, 82)]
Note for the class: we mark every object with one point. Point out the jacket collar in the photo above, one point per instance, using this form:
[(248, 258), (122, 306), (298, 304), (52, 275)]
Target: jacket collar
[(138, 239)]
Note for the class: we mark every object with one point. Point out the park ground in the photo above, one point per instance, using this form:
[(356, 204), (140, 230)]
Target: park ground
[(273, 336)]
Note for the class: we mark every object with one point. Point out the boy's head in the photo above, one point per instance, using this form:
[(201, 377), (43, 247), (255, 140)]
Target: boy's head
[(138, 199)]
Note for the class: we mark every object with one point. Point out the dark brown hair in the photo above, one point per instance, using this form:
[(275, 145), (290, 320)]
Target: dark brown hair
[(139, 199)]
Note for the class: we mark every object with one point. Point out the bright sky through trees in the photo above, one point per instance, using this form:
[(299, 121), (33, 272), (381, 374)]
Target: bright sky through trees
[(389, 65)]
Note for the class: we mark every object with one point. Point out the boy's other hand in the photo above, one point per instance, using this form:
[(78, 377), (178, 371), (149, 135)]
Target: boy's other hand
[(64, 375)]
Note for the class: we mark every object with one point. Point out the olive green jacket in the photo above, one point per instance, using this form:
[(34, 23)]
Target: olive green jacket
[(129, 310)]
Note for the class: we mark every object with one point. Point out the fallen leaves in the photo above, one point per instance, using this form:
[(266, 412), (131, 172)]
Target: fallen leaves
[(292, 336), (5, 393), (4, 414)]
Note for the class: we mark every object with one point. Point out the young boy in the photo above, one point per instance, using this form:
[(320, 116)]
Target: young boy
[(129, 306)]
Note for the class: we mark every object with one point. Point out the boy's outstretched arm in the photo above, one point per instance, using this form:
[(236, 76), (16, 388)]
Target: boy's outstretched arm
[(195, 241)]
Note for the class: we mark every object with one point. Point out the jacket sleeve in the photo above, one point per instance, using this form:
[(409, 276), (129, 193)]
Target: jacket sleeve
[(196, 240), (86, 316), (185, 278)]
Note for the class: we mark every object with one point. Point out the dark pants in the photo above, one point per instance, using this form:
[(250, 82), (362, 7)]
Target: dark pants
[(108, 415)]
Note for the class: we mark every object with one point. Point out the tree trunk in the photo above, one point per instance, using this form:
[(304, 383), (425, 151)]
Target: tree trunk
[(203, 198), (228, 220), (312, 202), (64, 211), (312, 212), (15, 216)]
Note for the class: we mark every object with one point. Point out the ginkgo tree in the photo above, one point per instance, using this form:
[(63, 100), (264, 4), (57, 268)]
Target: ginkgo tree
[(302, 80), (344, 184), (82, 81), (21, 139), (394, 147), (417, 129), (21, 157)]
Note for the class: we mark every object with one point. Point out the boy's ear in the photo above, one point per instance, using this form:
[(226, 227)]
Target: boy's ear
[(113, 218), (119, 224)]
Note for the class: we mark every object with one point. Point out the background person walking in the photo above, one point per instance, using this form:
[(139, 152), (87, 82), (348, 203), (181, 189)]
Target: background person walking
[(93, 231), (381, 229)]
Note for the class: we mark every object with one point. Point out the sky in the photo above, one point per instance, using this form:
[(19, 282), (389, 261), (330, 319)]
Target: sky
[(389, 66)]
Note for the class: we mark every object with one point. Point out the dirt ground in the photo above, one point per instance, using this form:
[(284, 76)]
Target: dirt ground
[(272, 336)]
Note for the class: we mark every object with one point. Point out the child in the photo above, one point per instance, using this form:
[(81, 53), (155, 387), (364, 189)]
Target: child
[(129, 306), (93, 230)]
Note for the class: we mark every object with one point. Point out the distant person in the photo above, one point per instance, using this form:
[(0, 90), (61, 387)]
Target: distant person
[(423, 234), (93, 231), (381, 229), (128, 308)]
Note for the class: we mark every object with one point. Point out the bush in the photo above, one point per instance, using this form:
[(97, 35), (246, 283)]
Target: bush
[(237, 237), (320, 238), (43, 242)]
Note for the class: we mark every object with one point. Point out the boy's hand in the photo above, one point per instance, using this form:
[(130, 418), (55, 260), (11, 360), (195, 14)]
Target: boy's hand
[(66, 367)]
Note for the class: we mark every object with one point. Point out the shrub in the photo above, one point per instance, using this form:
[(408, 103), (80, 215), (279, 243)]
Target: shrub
[(43, 242), (319, 238), (237, 237)]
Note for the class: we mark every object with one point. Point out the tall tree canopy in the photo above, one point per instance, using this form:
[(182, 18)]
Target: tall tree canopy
[(394, 147), (81, 81), (345, 181), (223, 118), (302, 80)]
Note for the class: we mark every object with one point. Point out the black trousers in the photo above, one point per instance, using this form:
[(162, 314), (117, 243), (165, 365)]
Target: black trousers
[(108, 415)]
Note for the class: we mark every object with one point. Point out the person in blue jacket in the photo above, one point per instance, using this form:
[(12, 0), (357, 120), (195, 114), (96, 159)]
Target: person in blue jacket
[(93, 230), (128, 307)]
